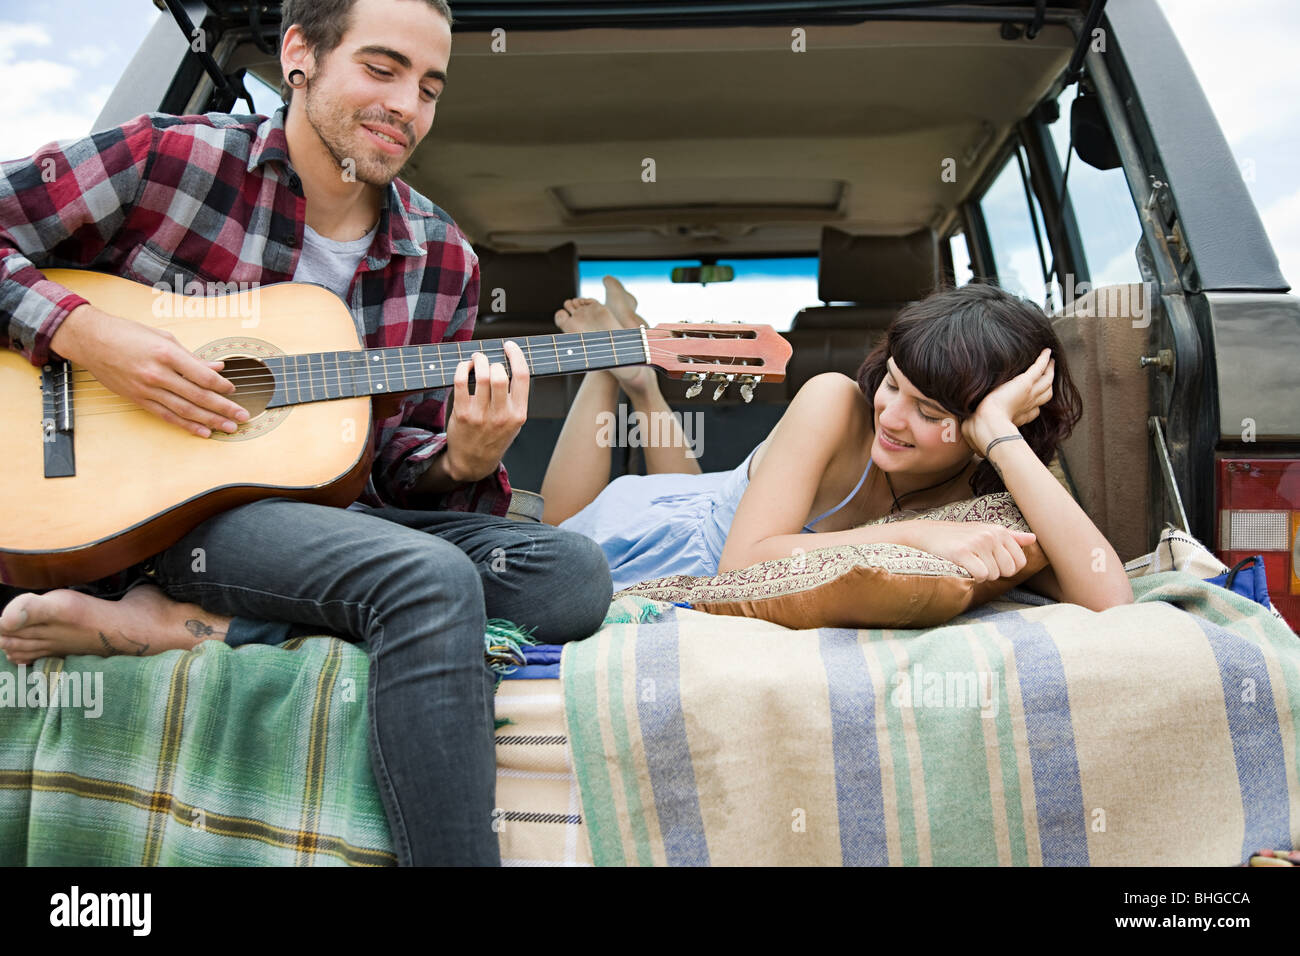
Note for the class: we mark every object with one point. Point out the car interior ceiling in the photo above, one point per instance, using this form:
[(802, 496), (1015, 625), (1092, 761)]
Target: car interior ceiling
[(544, 144)]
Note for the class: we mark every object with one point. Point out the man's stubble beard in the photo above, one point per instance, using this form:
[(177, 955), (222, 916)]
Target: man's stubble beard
[(321, 112)]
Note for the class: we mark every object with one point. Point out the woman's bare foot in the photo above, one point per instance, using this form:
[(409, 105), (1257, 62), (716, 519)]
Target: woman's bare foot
[(588, 315), (622, 303), (63, 622)]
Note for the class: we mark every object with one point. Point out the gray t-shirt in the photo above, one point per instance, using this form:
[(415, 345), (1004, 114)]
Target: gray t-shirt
[(329, 262), (332, 264)]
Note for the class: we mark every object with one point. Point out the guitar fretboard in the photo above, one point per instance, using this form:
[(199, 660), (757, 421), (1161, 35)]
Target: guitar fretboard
[(322, 376)]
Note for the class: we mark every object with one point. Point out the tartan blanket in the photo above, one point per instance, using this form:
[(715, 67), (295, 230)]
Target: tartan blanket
[(216, 756), (1163, 732)]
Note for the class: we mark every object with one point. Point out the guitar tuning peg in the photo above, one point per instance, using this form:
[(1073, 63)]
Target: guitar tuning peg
[(725, 380), (747, 383), (697, 386)]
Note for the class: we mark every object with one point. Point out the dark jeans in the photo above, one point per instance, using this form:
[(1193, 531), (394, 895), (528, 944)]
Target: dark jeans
[(418, 587)]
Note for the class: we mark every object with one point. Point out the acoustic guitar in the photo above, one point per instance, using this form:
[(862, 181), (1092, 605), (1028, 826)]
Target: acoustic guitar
[(92, 483)]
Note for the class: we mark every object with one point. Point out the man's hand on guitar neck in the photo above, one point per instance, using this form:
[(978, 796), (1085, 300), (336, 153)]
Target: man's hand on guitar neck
[(149, 367), (481, 426)]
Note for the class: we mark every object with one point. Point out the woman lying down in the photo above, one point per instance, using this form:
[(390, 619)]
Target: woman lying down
[(964, 396), (935, 416)]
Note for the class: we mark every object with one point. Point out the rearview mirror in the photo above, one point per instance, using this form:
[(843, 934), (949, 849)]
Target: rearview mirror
[(703, 274)]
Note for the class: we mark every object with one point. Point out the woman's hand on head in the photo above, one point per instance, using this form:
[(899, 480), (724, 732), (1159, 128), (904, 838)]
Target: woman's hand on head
[(1015, 402), (987, 551)]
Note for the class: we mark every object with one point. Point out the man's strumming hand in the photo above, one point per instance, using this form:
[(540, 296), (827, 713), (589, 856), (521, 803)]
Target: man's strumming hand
[(151, 368)]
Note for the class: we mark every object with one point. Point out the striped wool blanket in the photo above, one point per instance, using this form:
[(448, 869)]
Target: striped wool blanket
[(216, 756), (1163, 732)]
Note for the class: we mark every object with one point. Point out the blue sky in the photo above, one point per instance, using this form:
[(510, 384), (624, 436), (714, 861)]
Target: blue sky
[(59, 59)]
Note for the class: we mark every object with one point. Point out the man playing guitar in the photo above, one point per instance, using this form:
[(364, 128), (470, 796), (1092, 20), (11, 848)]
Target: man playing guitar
[(426, 556)]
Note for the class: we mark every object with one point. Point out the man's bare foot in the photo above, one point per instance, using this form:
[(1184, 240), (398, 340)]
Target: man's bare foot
[(63, 622), (588, 315), (622, 303)]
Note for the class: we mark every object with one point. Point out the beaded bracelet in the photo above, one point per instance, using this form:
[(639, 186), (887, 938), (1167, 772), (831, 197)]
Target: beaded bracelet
[(990, 445)]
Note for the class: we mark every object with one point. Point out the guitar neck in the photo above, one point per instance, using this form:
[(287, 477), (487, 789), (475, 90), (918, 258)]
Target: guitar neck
[(322, 376)]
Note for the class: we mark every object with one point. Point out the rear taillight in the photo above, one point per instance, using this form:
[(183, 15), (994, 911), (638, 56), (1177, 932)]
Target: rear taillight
[(1258, 513)]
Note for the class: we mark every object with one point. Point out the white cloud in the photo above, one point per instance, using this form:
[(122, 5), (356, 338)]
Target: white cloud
[(14, 35), (1120, 270), (37, 78), (1021, 272), (46, 107), (91, 55), (98, 97), (1243, 55), (1282, 222)]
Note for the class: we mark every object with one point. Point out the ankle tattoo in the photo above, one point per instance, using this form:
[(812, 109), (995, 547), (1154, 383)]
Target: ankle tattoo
[(201, 629), (136, 649)]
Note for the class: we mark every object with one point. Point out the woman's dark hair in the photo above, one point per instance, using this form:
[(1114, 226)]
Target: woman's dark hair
[(957, 345)]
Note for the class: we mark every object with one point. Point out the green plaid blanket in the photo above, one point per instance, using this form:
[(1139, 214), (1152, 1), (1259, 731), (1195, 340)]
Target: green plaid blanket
[(250, 757)]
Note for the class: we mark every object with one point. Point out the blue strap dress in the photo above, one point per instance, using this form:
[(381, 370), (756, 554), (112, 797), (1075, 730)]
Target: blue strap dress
[(650, 526)]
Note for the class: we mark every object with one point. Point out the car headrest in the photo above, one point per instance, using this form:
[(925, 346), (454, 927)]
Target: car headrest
[(877, 269), (845, 317), (533, 283)]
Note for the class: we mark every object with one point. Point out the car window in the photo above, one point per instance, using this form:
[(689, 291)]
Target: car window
[(265, 98), (1012, 235), (963, 266), (1103, 208), (764, 291)]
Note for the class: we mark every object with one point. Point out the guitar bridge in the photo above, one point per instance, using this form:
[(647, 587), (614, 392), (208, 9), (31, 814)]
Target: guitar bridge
[(56, 420)]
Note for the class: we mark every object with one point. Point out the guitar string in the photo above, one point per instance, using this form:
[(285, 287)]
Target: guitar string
[(494, 354), (94, 404), (298, 378), (98, 404), (406, 365), (291, 375)]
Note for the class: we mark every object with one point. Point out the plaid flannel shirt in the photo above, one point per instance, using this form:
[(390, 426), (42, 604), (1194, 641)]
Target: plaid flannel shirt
[(214, 198)]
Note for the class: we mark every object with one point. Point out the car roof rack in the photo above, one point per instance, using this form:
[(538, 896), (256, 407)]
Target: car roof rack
[(231, 87), (1074, 69)]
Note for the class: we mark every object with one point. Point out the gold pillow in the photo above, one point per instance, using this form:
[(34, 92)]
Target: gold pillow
[(857, 585)]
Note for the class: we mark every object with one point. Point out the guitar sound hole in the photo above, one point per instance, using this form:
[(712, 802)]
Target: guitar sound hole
[(254, 383)]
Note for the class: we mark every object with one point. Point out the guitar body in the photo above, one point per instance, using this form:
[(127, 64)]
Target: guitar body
[(140, 484)]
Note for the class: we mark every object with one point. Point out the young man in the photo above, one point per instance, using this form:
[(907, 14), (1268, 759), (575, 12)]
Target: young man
[(311, 194)]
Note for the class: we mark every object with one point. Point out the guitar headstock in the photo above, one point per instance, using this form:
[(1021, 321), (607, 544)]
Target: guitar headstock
[(722, 352)]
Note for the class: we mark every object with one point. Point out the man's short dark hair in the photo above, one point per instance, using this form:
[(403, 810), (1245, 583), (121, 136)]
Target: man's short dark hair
[(323, 23)]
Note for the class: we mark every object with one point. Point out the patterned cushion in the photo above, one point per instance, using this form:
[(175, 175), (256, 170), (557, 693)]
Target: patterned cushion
[(857, 585)]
